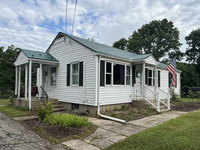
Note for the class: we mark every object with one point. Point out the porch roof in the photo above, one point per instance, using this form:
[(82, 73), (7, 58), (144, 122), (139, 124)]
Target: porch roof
[(39, 55)]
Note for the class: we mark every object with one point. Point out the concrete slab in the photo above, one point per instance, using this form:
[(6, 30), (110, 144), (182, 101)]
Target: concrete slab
[(127, 129), (103, 138), (25, 118), (79, 145), (152, 121)]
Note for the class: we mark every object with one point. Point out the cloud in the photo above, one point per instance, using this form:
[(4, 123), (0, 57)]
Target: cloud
[(33, 24)]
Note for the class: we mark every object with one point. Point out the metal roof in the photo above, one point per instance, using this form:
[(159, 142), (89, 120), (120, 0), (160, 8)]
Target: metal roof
[(39, 55), (108, 50)]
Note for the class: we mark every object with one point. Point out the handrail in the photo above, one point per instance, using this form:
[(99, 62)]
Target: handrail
[(47, 97), (150, 89)]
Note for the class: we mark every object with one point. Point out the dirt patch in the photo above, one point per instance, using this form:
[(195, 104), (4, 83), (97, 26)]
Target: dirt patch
[(56, 133), (131, 113), (185, 106)]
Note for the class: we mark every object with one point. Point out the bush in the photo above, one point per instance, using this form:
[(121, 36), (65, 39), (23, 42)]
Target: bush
[(44, 111), (191, 94), (11, 99), (174, 96), (66, 120)]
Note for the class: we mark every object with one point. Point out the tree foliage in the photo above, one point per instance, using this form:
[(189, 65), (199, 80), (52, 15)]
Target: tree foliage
[(157, 37), (7, 70), (193, 50)]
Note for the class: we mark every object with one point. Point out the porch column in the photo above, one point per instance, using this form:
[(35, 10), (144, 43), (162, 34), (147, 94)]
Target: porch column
[(40, 89), (155, 80), (26, 78), (19, 82), (16, 77), (143, 80), (29, 88)]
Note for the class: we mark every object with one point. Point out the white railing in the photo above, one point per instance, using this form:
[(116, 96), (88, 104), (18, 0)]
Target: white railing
[(152, 97), (164, 96)]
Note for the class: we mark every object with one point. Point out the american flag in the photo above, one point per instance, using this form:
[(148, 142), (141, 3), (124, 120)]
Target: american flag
[(172, 69)]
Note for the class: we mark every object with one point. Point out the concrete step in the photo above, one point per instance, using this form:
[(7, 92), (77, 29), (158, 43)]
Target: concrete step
[(58, 109), (164, 110), (58, 106)]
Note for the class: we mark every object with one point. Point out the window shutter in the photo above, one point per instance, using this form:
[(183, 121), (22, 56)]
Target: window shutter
[(133, 75), (158, 78), (68, 74), (146, 76), (176, 81), (102, 73), (169, 79), (80, 73)]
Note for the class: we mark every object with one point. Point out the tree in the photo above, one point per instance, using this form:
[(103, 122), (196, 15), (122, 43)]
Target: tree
[(160, 38), (121, 44), (193, 50), (7, 70)]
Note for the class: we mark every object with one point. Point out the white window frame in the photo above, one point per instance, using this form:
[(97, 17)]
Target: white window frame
[(111, 83), (72, 74), (152, 77), (128, 75)]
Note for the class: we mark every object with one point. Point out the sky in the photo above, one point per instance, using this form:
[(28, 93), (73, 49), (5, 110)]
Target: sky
[(33, 24)]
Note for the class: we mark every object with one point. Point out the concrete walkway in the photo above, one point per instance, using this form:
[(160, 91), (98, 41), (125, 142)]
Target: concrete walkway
[(13, 136), (110, 132)]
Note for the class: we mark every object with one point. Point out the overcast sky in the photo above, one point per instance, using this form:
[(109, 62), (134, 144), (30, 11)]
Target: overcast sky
[(33, 24)]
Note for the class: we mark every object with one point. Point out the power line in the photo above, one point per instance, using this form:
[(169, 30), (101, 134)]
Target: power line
[(74, 17), (66, 17)]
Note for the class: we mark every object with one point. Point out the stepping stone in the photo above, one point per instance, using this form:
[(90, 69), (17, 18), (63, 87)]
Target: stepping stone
[(79, 145)]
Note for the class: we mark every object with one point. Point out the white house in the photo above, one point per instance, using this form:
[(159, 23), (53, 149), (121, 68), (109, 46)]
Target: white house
[(83, 74)]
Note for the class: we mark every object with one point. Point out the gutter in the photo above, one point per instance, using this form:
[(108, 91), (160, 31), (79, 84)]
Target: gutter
[(101, 115)]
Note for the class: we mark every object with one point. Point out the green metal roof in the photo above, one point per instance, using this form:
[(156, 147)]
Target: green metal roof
[(105, 49), (39, 55)]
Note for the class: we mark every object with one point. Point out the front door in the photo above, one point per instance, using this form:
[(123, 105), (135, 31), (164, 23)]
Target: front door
[(138, 86)]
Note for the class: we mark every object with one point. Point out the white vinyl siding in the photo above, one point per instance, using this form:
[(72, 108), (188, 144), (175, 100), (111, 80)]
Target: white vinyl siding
[(67, 52), (21, 59)]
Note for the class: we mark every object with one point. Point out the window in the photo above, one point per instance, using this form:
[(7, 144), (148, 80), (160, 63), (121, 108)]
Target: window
[(75, 74), (108, 73), (53, 76), (128, 75), (118, 74), (149, 77)]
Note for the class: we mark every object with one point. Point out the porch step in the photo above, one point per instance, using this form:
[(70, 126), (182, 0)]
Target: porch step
[(57, 106)]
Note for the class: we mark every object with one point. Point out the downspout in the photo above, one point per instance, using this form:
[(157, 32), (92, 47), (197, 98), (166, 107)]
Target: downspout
[(98, 103)]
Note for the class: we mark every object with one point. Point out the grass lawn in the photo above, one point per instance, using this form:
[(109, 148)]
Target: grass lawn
[(190, 100), (10, 110), (181, 133)]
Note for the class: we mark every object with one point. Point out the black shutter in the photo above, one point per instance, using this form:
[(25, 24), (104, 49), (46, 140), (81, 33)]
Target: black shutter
[(146, 76), (176, 81), (133, 75), (169, 79), (68, 74), (158, 78), (80, 73), (102, 73)]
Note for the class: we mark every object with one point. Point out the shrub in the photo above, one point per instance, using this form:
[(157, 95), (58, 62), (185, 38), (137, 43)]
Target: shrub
[(191, 94), (44, 111), (11, 99), (174, 96), (66, 120)]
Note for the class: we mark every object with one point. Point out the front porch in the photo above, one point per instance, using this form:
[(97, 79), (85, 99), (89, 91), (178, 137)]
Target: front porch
[(34, 64)]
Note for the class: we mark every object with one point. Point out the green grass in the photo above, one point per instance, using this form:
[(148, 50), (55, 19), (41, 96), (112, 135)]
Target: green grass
[(67, 120), (4, 102), (182, 133), (10, 110), (190, 100)]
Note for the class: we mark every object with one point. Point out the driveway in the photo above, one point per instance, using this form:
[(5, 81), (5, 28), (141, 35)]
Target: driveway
[(13, 136)]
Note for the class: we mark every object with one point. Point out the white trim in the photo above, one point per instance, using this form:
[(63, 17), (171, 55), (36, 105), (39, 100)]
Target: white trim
[(40, 90), (29, 90), (26, 78), (19, 82), (16, 78), (74, 74)]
